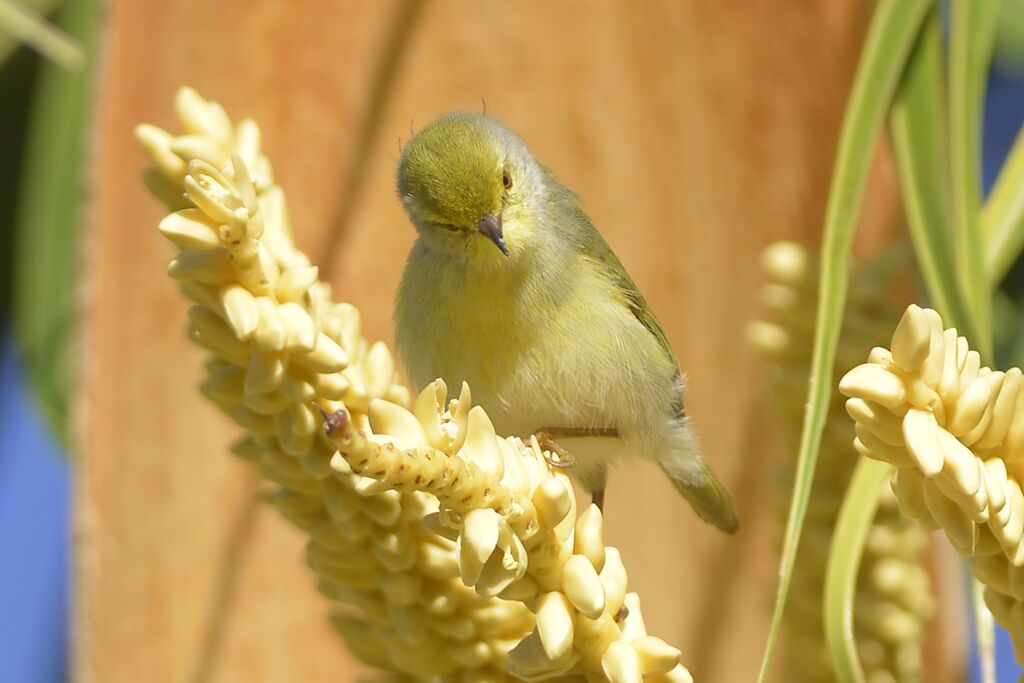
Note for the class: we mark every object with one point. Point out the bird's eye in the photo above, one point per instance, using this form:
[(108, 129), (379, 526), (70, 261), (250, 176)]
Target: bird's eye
[(506, 180)]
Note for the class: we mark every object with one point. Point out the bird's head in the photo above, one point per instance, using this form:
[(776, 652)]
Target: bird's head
[(467, 183)]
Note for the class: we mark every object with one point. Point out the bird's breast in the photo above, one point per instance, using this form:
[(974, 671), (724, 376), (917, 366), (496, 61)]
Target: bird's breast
[(556, 351)]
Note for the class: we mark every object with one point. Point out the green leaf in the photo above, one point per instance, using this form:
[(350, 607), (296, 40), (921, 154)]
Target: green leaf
[(9, 39), (1009, 42), (1014, 355), (972, 28), (1002, 220), (851, 532), (19, 23), (919, 134), (49, 216), (894, 28)]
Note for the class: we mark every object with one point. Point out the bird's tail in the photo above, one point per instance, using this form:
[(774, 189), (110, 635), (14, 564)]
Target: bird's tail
[(685, 466), (708, 498)]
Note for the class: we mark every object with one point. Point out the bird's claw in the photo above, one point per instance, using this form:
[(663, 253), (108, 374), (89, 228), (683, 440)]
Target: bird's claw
[(548, 445), (546, 439), (564, 462)]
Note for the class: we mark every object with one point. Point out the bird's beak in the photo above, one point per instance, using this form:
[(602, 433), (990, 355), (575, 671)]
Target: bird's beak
[(490, 227)]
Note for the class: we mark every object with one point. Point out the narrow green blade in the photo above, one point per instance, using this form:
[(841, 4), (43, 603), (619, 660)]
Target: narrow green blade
[(1002, 219), (852, 527), (49, 218), (972, 28), (919, 134), (11, 36), (893, 30)]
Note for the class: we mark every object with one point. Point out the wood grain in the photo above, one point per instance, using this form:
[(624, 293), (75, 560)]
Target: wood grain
[(696, 132), (177, 581)]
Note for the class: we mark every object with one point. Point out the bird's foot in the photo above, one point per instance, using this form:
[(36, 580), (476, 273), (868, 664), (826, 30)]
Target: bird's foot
[(546, 438), (547, 445)]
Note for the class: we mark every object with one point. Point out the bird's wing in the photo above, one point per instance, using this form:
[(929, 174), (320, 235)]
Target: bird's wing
[(636, 302), (639, 308), (590, 242), (616, 273)]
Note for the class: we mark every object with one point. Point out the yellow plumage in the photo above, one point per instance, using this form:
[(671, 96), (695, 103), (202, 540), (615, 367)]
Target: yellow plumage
[(511, 289)]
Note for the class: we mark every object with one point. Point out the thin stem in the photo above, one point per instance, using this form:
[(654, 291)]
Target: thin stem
[(851, 532), (985, 628), (972, 29)]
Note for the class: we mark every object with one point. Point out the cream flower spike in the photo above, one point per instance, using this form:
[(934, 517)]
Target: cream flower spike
[(501, 582), (955, 432), (894, 599), (512, 518)]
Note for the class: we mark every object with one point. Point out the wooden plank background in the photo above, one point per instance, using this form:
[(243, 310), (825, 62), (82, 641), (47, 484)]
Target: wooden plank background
[(695, 131)]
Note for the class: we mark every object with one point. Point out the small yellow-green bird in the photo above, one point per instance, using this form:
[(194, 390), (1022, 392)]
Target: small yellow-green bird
[(511, 289)]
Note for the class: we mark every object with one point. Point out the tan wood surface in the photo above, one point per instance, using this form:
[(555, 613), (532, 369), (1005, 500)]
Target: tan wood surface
[(696, 132)]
